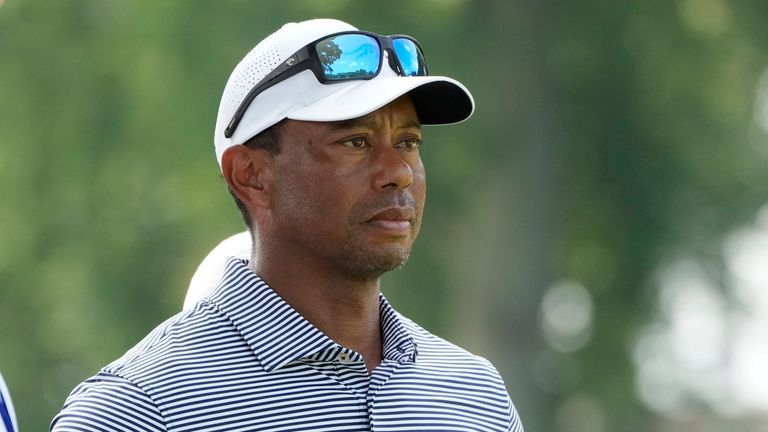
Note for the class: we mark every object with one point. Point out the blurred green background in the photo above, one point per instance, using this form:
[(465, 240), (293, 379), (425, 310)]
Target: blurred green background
[(595, 230)]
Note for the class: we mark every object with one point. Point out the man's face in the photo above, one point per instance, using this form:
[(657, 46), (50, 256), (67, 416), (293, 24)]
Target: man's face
[(349, 195)]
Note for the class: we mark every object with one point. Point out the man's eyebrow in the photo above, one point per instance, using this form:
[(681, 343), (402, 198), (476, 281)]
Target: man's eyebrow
[(411, 124), (369, 122)]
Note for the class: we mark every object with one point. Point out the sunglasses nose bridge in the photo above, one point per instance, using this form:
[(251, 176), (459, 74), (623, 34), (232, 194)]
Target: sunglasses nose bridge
[(391, 58)]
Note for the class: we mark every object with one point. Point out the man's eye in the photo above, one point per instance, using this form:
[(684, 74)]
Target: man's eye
[(356, 142), (410, 143)]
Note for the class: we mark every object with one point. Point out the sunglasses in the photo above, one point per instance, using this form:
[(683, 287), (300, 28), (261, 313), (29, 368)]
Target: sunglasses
[(352, 55)]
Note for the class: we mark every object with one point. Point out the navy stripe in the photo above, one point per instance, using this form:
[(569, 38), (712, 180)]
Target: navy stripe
[(244, 360)]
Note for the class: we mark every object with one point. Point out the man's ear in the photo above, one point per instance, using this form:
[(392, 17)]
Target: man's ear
[(248, 173)]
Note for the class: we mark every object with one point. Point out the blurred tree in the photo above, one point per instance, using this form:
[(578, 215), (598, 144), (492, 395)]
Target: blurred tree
[(329, 52)]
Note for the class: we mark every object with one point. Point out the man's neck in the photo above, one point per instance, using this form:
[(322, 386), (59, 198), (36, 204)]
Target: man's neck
[(346, 310)]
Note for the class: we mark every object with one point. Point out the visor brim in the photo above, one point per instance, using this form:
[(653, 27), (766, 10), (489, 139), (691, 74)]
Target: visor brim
[(437, 100)]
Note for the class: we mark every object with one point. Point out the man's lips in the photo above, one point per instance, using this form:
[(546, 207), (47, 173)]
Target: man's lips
[(393, 219)]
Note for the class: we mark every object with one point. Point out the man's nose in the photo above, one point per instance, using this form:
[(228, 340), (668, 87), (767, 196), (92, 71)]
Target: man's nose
[(392, 170)]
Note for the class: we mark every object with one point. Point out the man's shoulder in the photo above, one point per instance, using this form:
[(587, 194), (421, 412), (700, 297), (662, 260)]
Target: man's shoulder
[(134, 388), (452, 372), (111, 402), (442, 353), (177, 350), (191, 336)]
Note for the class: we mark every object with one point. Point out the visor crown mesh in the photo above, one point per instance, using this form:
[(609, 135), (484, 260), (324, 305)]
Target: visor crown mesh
[(260, 61)]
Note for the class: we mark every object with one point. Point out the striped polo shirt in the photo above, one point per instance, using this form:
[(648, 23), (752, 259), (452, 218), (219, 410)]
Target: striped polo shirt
[(244, 360)]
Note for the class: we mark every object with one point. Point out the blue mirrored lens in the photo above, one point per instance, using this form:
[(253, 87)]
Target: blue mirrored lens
[(410, 56), (351, 56)]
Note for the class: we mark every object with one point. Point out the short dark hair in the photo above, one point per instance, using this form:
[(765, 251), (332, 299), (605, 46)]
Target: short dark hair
[(269, 140)]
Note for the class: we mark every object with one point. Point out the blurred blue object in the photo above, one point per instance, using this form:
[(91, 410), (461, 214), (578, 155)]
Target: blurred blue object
[(7, 415)]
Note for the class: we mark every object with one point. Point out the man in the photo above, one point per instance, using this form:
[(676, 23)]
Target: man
[(318, 138)]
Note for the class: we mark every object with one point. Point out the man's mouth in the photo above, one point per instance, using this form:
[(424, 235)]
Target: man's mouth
[(395, 219)]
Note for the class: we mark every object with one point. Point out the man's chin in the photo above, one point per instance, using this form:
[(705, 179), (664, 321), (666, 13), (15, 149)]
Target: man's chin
[(371, 266)]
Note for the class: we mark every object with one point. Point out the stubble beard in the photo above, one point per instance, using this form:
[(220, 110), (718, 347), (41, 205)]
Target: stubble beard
[(364, 265), (357, 259)]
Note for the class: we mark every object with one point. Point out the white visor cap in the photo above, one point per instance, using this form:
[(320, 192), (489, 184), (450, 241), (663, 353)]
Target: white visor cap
[(437, 99)]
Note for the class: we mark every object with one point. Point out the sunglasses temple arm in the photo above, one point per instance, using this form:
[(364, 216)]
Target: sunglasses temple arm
[(290, 67)]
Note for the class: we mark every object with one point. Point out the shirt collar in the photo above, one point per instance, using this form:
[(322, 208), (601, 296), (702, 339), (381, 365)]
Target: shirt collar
[(399, 344), (278, 334)]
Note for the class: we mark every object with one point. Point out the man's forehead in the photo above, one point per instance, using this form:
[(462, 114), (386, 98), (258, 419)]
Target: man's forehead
[(400, 111), (373, 122)]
